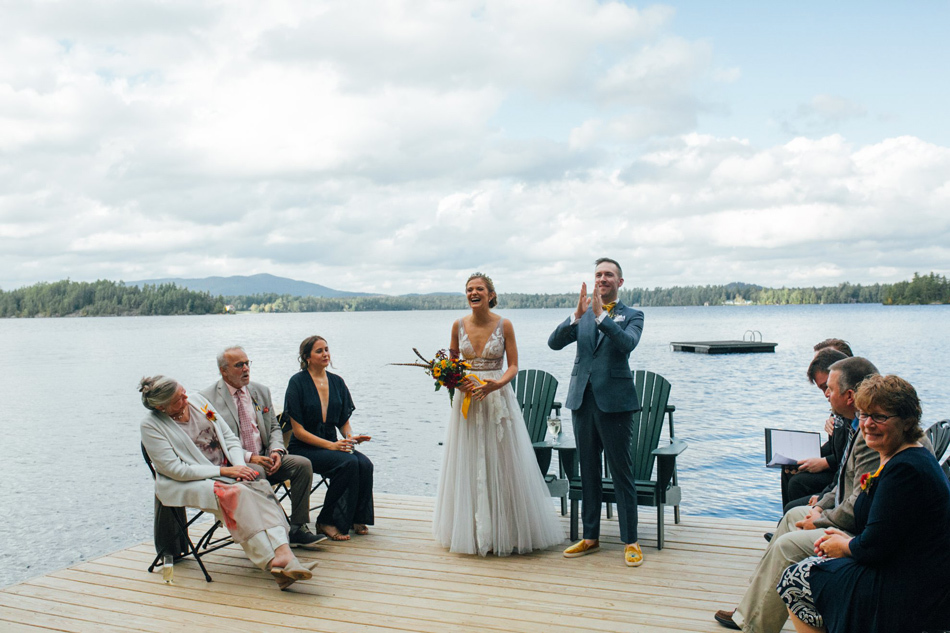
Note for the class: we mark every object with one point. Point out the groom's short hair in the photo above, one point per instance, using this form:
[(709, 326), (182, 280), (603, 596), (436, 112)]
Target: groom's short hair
[(610, 261)]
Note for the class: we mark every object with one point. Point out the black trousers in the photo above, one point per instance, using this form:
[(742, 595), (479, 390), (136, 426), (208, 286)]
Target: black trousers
[(349, 497), (798, 489)]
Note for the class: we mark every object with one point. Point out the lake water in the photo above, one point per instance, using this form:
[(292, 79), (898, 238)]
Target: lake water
[(75, 485)]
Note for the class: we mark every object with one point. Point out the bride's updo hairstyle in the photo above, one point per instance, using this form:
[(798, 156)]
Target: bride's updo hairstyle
[(306, 347), (157, 391), (488, 282)]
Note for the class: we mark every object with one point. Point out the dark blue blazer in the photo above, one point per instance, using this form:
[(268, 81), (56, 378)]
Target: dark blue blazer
[(602, 361)]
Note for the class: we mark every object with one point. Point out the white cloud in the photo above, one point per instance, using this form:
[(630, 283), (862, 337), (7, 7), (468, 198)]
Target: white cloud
[(822, 114), (365, 146)]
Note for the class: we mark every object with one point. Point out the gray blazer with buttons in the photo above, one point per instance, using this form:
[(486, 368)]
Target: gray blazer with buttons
[(602, 358), (267, 425)]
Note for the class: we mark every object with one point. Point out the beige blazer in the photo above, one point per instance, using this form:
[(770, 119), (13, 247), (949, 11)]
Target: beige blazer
[(267, 425), (184, 476)]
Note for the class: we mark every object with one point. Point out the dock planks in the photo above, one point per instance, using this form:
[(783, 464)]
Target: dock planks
[(398, 579)]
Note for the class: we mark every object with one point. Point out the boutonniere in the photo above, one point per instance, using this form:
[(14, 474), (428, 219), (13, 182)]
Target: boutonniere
[(258, 407), (867, 479), (209, 413)]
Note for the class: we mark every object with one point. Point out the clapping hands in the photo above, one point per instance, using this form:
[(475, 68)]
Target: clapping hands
[(595, 302)]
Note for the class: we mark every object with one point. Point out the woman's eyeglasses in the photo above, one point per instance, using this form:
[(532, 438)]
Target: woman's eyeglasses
[(879, 418)]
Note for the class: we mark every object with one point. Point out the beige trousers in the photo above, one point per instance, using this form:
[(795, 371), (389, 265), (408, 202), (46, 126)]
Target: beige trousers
[(260, 547), (761, 610)]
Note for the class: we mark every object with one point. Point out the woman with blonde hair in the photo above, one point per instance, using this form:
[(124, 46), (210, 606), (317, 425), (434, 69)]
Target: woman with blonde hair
[(492, 497)]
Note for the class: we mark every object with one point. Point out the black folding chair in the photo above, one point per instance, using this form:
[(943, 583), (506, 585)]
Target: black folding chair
[(183, 543)]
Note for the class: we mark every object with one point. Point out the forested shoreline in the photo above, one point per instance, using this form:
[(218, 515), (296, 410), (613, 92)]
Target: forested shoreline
[(111, 298)]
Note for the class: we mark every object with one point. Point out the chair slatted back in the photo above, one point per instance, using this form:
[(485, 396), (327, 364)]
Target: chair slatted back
[(939, 436), (535, 390), (653, 391)]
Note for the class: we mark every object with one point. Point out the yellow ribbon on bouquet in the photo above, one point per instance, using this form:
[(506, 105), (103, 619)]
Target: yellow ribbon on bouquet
[(468, 395)]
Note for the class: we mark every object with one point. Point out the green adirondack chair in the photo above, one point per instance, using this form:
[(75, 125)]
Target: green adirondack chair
[(939, 436), (535, 391), (653, 392)]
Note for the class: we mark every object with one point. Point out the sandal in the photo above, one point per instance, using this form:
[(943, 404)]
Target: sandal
[(360, 529), (332, 533)]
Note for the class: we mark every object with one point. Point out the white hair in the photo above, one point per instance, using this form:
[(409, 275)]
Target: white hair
[(221, 362), (157, 391)]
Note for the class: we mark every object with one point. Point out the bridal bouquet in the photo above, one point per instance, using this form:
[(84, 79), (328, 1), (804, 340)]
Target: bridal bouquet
[(447, 371)]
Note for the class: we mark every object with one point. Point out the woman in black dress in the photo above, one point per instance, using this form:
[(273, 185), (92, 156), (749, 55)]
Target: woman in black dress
[(319, 404), (891, 575)]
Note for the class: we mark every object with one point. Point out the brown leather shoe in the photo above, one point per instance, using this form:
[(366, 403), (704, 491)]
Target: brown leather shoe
[(725, 618)]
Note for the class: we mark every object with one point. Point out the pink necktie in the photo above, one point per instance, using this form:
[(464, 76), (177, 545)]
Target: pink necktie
[(248, 428)]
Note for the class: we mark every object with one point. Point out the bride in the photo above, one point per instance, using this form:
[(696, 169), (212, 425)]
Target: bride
[(492, 497)]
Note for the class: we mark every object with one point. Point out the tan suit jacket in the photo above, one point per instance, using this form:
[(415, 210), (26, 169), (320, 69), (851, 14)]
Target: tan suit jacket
[(267, 425)]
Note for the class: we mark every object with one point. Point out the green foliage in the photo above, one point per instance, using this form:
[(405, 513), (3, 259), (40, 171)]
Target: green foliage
[(918, 291), (105, 298), (110, 298)]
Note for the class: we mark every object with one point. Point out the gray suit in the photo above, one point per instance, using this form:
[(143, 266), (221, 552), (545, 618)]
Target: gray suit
[(602, 399), (293, 467)]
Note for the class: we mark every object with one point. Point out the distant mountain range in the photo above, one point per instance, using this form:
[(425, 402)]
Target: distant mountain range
[(254, 285)]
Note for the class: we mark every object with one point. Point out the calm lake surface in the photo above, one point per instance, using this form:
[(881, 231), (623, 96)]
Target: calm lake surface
[(75, 486)]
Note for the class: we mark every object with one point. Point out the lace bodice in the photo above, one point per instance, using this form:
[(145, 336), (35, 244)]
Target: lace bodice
[(492, 356)]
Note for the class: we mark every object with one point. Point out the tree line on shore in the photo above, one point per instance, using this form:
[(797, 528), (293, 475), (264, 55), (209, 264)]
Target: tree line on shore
[(111, 298), (105, 298)]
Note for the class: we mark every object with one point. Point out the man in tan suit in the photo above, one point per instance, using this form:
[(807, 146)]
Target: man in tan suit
[(247, 409)]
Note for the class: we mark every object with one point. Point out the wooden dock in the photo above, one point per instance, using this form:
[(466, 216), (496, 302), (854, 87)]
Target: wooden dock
[(398, 579), (724, 347)]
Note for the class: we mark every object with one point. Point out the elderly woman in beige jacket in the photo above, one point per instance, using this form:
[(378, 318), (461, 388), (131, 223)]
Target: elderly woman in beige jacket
[(200, 464)]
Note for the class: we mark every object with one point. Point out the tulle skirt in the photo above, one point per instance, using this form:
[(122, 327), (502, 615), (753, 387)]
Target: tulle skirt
[(492, 497)]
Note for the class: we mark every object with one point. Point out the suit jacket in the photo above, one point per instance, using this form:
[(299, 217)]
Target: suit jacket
[(602, 361), (184, 476), (267, 425)]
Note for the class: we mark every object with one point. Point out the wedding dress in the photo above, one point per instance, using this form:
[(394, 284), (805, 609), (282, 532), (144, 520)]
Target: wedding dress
[(491, 497)]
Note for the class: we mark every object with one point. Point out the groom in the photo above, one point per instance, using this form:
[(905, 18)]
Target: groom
[(602, 399)]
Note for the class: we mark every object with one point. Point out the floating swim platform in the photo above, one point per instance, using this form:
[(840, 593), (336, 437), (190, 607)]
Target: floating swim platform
[(751, 343)]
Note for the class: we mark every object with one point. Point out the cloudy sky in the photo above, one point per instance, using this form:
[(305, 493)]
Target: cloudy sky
[(396, 146)]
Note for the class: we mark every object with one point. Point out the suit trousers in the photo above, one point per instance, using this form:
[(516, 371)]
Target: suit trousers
[(609, 434), (803, 484), (761, 610), (300, 473)]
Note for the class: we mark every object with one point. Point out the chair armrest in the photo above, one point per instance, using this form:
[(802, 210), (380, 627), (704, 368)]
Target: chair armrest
[(670, 408), (672, 449)]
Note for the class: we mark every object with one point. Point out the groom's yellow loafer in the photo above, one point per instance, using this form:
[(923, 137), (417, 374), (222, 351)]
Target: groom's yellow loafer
[(581, 548), (632, 555)]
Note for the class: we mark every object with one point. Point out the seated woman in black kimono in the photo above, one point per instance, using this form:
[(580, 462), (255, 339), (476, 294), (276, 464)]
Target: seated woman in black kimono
[(319, 404), (889, 577)]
